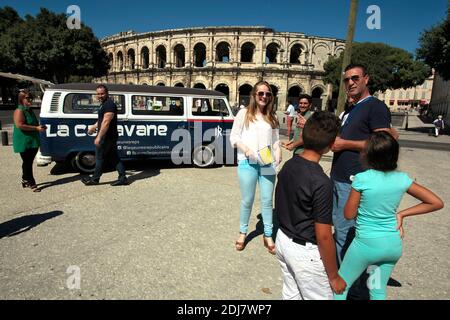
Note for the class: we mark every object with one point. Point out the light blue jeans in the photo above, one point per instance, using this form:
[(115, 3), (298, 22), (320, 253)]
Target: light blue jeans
[(250, 174)]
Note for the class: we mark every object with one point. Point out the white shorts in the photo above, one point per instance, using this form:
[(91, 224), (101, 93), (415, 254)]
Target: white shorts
[(304, 276)]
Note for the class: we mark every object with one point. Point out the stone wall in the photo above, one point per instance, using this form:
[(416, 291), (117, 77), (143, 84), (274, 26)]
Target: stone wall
[(224, 59)]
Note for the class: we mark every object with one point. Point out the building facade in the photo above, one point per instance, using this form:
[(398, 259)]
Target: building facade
[(226, 59), (405, 99)]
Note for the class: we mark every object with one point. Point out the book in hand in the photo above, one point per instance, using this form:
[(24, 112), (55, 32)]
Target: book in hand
[(265, 156)]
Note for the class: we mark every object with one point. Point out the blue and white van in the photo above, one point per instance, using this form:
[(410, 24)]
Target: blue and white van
[(182, 124)]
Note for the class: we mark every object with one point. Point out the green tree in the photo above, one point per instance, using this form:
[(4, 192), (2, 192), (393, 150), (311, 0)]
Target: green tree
[(44, 47), (8, 18), (8, 55), (388, 67), (434, 48)]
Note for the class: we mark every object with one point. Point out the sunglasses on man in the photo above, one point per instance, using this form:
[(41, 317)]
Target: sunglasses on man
[(353, 78), (263, 93), (30, 99)]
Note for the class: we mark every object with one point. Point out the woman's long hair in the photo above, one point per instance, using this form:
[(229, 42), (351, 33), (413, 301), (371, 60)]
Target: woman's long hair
[(268, 112)]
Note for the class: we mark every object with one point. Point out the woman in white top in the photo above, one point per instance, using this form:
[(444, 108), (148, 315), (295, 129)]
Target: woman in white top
[(256, 135)]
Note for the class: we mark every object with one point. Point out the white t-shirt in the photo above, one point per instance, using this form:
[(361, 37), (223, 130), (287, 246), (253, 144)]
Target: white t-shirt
[(290, 111), (258, 135)]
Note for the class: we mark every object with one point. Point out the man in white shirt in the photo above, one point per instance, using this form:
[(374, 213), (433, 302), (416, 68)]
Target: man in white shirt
[(290, 115)]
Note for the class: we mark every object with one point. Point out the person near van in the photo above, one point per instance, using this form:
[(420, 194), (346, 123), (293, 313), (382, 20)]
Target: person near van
[(379, 231), (290, 115), (303, 205), (26, 138), (438, 125), (303, 114), (106, 140), (255, 134)]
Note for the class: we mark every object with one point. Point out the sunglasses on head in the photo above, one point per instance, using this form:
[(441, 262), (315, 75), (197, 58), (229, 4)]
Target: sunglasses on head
[(353, 78), (261, 94)]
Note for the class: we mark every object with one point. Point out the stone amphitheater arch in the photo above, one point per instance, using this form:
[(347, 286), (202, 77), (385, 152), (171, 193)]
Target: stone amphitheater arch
[(306, 72)]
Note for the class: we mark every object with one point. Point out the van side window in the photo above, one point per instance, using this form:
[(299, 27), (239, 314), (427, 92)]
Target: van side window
[(209, 107), (87, 103), (152, 105)]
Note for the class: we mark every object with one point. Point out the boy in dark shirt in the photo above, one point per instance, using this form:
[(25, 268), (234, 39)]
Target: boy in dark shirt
[(303, 205)]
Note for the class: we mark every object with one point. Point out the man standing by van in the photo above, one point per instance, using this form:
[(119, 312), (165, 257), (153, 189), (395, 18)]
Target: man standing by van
[(106, 140)]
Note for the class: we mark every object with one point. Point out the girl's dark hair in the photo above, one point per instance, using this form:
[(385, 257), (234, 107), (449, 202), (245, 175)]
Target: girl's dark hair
[(381, 152)]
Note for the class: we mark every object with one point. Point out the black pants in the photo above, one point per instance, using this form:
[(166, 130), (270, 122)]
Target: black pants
[(27, 165), (107, 152)]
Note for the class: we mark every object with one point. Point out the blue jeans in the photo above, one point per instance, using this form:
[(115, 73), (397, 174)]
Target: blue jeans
[(107, 151), (249, 175), (342, 226)]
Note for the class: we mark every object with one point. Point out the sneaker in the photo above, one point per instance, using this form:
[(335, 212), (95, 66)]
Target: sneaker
[(89, 182), (120, 182)]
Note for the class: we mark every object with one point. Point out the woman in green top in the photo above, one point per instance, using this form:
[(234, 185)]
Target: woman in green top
[(26, 138)]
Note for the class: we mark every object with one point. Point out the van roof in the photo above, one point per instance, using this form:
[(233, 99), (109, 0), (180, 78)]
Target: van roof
[(137, 88)]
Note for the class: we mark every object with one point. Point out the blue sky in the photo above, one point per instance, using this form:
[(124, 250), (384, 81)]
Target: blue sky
[(402, 21)]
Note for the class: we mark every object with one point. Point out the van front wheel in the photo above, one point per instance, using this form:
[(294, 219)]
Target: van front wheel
[(84, 162), (203, 156)]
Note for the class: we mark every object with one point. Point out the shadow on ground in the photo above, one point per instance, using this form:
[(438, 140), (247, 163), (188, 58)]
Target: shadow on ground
[(26, 223), (259, 229)]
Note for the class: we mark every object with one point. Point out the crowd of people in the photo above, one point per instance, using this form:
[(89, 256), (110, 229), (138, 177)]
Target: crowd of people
[(359, 199)]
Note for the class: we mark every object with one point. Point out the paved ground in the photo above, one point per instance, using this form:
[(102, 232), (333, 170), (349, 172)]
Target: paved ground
[(170, 235)]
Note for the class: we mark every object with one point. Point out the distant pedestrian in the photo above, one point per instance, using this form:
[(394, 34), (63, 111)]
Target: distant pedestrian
[(379, 228), (438, 125), (26, 138), (290, 116), (106, 140)]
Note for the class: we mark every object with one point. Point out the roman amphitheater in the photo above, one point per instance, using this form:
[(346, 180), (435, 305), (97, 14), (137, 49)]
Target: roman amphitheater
[(226, 59)]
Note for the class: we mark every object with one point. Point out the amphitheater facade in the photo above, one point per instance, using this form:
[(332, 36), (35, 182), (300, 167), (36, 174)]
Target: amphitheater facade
[(227, 59)]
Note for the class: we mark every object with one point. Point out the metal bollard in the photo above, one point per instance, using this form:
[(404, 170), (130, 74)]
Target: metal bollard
[(5, 138)]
